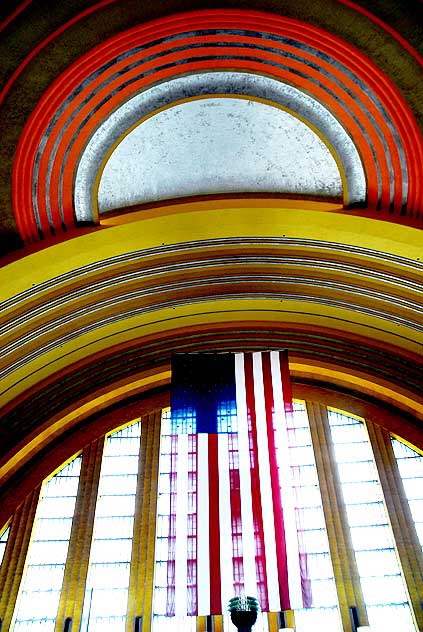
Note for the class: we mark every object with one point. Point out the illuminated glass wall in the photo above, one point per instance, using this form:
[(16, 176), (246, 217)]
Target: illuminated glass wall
[(3, 541), (410, 465), (380, 574), (324, 614), (39, 596), (107, 585)]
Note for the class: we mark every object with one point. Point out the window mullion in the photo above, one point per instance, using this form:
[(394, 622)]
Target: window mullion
[(73, 588), (402, 523), (344, 565), (141, 583), (15, 555)]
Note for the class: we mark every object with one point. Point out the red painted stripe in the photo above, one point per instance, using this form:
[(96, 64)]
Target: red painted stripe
[(276, 488), (353, 59), (214, 527), (14, 14), (261, 568)]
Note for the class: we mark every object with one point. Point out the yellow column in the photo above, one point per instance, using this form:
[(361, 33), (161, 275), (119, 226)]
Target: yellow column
[(73, 588), (141, 584), (15, 555), (344, 565), (402, 523)]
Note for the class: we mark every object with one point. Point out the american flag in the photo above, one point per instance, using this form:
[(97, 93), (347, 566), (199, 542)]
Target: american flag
[(232, 527)]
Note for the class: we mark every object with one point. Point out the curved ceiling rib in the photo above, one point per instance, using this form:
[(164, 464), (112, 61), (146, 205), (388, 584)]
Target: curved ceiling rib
[(363, 100)]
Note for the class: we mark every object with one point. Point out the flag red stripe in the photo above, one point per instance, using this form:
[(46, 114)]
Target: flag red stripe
[(214, 527), (276, 489), (261, 570), (289, 413)]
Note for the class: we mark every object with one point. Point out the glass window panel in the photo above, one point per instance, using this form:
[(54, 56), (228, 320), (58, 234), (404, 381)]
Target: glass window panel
[(311, 516), (378, 567), (106, 594), (413, 488), (302, 456), (416, 507), (162, 548), (115, 505), (304, 475), (62, 486), (187, 624), (315, 541), (119, 485), (344, 453), (419, 529), (299, 437), (119, 465), (319, 566), (390, 618), (39, 604), (47, 553), (123, 447), (109, 602), (411, 467), (56, 507), (108, 624), (379, 562), (357, 472), (308, 496), (163, 504), (362, 492), (403, 451), (111, 550), (367, 514), (348, 433), (114, 575), (160, 599), (3, 541), (317, 620), (324, 593), (46, 625), (52, 529), (368, 538), (384, 590), (121, 526), (44, 577)]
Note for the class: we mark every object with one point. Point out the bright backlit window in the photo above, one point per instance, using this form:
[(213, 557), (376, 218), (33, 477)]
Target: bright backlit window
[(3, 542), (380, 575), (40, 590), (323, 616), (107, 585), (410, 465)]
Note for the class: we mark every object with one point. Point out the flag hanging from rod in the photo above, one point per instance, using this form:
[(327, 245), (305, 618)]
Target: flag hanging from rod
[(232, 527)]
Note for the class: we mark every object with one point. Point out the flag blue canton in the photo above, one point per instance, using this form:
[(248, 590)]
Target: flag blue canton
[(203, 394)]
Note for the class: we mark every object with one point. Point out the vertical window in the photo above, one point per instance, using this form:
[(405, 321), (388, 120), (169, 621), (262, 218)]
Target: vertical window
[(106, 594), (410, 465), (3, 542), (324, 614), (380, 575), (38, 600), (164, 576)]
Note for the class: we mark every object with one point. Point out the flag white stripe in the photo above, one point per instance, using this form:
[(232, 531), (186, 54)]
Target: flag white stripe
[(265, 486), (203, 558), (281, 436), (226, 571), (181, 529), (248, 542)]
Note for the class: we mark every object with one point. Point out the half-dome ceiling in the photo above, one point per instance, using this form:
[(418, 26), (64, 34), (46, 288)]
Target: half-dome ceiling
[(250, 147)]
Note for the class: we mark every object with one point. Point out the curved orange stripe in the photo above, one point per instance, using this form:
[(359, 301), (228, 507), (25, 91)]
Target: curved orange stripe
[(216, 16)]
